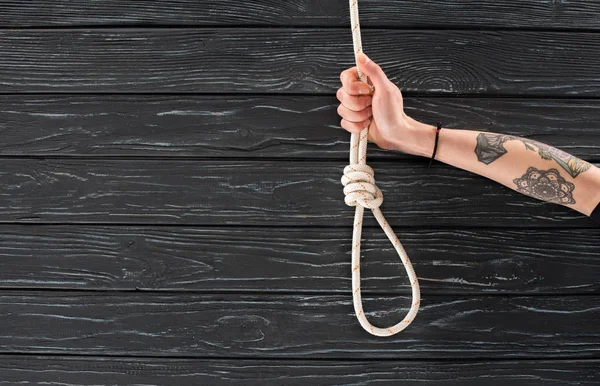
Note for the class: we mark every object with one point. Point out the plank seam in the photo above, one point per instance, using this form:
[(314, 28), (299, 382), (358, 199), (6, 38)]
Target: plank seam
[(406, 94), (238, 26), (6, 291), (42, 354)]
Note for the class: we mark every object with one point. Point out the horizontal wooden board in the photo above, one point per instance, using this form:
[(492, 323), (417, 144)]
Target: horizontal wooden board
[(477, 261), (263, 126), (290, 60), (373, 13), (295, 326), (270, 193), (67, 371)]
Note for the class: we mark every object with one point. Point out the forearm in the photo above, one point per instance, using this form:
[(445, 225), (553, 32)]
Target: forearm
[(529, 167)]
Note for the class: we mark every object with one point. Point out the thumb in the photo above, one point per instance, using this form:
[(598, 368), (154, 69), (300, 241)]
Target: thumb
[(372, 70)]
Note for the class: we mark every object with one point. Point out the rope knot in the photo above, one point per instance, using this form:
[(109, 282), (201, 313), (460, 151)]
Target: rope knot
[(360, 188)]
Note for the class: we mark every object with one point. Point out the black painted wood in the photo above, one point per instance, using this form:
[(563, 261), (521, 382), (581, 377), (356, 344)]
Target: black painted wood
[(478, 261), (290, 60), (524, 14), (41, 370), (296, 326), (259, 193), (162, 200), (263, 126)]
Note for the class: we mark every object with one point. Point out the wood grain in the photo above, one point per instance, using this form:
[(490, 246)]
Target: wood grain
[(171, 209), (296, 326), (290, 60), (263, 126), (43, 370), (272, 193), (374, 13), (447, 261)]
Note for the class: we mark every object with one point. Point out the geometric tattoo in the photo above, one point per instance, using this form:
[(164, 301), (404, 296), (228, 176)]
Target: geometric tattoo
[(490, 147), (546, 185)]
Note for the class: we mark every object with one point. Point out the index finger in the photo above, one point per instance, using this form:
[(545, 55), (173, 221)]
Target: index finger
[(351, 84)]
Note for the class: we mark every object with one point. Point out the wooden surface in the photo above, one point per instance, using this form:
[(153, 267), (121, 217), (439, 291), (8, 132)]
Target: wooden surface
[(296, 60), (74, 370), (297, 259), (263, 126), (171, 210), (522, 14), (292, 326)]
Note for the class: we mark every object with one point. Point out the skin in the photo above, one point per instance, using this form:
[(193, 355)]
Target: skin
[(532, 168)]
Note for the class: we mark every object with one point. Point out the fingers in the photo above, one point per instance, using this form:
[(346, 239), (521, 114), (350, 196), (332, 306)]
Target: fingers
[(356, 100), (351, 84), (354, 116), (372, 70), (355, 127), (353, 102)]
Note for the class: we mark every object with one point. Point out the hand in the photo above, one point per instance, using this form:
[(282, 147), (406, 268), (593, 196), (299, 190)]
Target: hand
[(381, 110)]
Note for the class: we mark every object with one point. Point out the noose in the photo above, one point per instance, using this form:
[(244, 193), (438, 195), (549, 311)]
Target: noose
[(361, 192)]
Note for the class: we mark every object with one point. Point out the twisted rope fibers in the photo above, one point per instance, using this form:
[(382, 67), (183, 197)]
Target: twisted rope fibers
[(361, 192)]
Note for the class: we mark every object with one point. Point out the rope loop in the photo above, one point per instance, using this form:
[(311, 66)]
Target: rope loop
[(360, 188), (361, 192)]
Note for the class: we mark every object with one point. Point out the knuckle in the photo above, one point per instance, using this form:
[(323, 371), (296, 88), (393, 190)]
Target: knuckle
[(367, 102), (348, 89), (359, 104), (360, 88), (347, 125), (366, 113), (344, 76)]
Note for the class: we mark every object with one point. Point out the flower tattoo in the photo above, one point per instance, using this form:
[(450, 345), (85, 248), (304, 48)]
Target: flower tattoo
[(547, 185)]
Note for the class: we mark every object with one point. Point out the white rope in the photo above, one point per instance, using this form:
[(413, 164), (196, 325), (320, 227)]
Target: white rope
[(361, 192)]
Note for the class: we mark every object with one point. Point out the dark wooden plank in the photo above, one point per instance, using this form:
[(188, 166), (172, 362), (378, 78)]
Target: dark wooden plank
[(44, 370), (378, 13), (258, 193), (288, 60), (294, 326), (263, 126), (475, 261)]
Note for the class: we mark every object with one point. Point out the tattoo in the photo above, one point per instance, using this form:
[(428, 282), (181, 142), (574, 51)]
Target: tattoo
[(546, 185), (490, 147)]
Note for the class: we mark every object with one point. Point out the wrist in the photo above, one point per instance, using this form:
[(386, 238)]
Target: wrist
[(419, 138)]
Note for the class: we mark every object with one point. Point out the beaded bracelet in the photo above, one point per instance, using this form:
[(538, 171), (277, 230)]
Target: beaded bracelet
[(437, 138)]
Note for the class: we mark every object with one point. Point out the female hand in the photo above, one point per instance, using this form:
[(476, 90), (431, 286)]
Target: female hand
[(390, 128)]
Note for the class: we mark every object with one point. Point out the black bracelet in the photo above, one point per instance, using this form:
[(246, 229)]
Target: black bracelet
[(437, 138)]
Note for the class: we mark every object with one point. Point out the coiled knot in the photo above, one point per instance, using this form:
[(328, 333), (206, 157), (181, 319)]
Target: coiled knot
[(360, 188)]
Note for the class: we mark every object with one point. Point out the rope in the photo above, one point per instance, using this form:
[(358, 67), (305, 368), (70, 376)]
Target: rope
[(361, 192)]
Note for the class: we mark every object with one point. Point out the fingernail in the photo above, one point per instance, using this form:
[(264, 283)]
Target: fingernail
[(363, 58)]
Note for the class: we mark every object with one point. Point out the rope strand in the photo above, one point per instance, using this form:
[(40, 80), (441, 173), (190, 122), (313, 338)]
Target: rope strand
[(361, 192)]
